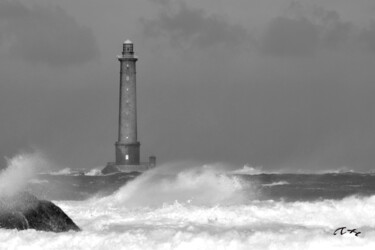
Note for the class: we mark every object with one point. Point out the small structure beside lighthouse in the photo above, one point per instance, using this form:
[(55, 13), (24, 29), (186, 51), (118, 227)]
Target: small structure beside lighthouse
[(127, 145)]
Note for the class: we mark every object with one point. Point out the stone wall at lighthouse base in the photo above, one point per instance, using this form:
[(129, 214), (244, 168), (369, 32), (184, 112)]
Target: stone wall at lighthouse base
[(112, 167)]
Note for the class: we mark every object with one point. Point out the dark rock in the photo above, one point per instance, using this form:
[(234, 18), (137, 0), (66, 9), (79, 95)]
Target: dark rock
[(110, 169), (25, 211), (13, 220)]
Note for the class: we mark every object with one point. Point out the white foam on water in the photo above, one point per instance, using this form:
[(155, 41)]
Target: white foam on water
[(64, 171), (277, 183), (198, 208), (255, 225), (94, 172), (248, 170), (201, 185)]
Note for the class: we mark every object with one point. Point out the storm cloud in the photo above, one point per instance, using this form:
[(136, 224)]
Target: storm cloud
[(285, 36), (262, 82), (303, 35), (367, 36), (189, 27), (45, 34)]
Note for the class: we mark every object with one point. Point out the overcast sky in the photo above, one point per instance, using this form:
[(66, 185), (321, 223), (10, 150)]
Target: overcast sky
[(275, 83)]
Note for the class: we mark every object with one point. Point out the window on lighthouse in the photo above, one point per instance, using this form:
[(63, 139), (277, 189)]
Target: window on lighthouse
[(126, 157), (127, 78)]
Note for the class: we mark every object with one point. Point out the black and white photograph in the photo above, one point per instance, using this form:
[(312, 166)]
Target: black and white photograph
[(187, 124)]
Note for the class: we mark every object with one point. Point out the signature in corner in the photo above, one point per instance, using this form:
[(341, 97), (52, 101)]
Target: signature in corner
[(344, 230)]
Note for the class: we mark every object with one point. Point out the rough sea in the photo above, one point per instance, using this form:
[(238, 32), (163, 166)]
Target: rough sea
[(193, 206)]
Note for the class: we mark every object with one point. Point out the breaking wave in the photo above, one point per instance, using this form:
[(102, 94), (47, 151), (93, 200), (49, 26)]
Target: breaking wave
[(200, 208), (68, 172), (20, 169), (94, 172), (64, 171), (248, 170), (278, 183), (200, 185), (255, 225)]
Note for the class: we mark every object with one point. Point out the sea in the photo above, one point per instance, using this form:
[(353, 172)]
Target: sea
[(199, 206)]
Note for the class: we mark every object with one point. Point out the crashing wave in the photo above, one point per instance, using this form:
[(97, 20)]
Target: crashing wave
[(198, 185), (68, 171), (278, 183), (258, 224), (94, 172), (248, 170)]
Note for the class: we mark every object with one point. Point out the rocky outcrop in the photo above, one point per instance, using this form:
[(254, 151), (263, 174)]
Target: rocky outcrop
[(25, 211)]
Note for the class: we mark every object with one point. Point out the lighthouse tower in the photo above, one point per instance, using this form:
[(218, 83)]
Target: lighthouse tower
[(127, 144)]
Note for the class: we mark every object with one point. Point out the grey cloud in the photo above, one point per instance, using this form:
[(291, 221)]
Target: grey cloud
[(46, 35), (302, 36), (285, 36), (334, 31), (189, 26), (339, 33), (367, 36), (162, 2)]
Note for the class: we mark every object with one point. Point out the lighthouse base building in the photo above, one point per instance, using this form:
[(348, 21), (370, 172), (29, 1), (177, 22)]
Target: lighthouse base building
[(127, 146)]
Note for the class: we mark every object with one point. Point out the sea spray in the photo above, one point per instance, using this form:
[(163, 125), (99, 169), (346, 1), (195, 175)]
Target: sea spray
[(183, 211), (248, 170), (199, 185), (254, 225), (20, 169), (191, 208)]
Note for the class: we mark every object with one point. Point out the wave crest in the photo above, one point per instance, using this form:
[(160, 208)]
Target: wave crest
[(20, 169), (200, 185)]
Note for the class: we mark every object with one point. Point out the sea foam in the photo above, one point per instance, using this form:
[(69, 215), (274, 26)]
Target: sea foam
[(198, 208), (255, 225)]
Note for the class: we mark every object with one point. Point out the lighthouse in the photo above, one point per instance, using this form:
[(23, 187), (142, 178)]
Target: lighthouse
[(127, 146)]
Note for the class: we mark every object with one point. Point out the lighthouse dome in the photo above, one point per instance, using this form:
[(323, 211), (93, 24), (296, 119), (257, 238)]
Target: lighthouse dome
[(128, 42)]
